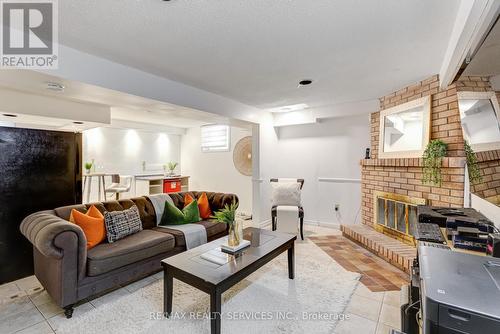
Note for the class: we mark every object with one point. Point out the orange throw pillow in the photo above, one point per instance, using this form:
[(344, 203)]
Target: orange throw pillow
[(203, 205), (92, 224), (94, 212)]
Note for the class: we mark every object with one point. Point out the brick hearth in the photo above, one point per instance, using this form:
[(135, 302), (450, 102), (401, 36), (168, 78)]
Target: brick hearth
[(393, 251)]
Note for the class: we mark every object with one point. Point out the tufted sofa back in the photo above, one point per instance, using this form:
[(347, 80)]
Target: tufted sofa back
[(216, 200), (146, 209)]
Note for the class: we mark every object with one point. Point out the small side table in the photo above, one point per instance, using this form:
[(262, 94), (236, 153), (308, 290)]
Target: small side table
[(101, 185)]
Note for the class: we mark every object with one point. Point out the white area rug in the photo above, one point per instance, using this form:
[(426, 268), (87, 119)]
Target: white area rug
[(273, 303)]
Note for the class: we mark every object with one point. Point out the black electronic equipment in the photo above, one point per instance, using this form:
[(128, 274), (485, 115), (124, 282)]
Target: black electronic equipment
[(435, 245), (429, 232), (469, 233), (482, 225), (440, 215), (493, 245)]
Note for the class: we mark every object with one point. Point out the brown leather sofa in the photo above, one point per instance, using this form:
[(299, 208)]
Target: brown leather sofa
[(70, 273)]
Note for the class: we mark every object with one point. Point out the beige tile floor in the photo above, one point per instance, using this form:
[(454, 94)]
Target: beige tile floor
[(25, 308), (368, 312)]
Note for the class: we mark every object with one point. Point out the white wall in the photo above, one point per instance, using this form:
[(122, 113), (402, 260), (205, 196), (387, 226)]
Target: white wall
[(122, 151), (215, 171), (329, 149), (490, 210)]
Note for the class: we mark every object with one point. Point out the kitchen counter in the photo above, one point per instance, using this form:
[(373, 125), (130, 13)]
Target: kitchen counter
[(159, 177)]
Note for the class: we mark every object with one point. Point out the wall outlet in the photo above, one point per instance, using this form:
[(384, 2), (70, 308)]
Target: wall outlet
[(337, 207)]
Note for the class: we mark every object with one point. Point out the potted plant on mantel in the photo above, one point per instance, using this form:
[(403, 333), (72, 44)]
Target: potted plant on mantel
[(433, 160), (228, 215), (475, 176)]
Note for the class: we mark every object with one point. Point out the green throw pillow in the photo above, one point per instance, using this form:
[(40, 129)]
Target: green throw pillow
[(173, 216)]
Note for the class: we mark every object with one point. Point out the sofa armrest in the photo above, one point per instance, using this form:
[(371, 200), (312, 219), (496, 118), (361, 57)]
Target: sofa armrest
[(42, 228), (60, 254)]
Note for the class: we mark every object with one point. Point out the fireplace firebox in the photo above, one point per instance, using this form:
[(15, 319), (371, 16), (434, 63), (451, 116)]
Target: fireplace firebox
[(396, 215)]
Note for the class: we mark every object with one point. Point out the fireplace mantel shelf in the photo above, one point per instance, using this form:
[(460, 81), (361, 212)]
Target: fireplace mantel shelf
[(451, 162)]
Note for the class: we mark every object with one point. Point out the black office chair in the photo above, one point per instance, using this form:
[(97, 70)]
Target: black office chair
[(274, 212)]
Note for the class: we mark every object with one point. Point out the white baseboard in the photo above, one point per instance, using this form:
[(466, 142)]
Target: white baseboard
[(336, 226), (265, 223), (322, 224)]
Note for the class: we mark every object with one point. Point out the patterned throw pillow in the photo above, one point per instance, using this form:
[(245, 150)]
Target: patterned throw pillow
[(119, 224)]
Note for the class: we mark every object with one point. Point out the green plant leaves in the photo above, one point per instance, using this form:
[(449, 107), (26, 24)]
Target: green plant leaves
[(433, 159), (472, 164), (227, 214)]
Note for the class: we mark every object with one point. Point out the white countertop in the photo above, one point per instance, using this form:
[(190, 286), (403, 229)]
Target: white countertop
[(155, 177)]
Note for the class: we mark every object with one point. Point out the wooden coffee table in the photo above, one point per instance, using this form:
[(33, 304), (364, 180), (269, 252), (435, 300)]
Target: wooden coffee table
[(213, 278)]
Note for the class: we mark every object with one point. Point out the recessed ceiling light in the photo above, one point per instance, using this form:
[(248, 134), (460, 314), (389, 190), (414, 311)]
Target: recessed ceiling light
[(9, 115), (305, 82), (78, 122), (55, 86), (293, 107)]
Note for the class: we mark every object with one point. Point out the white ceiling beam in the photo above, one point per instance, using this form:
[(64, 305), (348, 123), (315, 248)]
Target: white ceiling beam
[(313, 115), (148, 127), (17, 102), (79, 66), (474, 19)]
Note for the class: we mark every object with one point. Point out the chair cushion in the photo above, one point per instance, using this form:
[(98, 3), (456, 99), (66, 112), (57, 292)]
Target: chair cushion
[(274, 211), (142, 245), (213, 228)]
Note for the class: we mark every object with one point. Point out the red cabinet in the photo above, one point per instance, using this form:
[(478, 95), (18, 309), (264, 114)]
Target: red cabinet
[(172, 186)]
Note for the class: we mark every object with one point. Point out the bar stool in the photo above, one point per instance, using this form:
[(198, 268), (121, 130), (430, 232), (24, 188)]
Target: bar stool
[(120, 184)]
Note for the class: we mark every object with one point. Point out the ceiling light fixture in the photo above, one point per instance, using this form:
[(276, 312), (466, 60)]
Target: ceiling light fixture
[(305, 82), (78, 122), (293, 107), (54, 86), (9, 115)]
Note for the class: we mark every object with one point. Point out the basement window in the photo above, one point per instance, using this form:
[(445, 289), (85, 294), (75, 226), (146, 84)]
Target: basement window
[(215, 138)]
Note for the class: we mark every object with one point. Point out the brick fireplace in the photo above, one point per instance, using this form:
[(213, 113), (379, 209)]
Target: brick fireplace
[(400, 179), (403, 176)]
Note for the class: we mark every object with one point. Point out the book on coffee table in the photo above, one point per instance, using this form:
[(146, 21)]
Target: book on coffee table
[(215, 256), (233, 249)]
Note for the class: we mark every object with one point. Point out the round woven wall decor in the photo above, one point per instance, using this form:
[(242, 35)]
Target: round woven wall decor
[(242, 156)]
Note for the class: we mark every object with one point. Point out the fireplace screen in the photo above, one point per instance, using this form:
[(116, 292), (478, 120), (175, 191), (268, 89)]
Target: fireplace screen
[(397, 213)]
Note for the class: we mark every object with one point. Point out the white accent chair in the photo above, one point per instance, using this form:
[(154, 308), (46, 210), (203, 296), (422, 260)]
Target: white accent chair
[(275, 207)]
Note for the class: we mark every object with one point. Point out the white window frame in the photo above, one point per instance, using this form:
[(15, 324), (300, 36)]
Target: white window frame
[(221, 148), (482, 147)]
